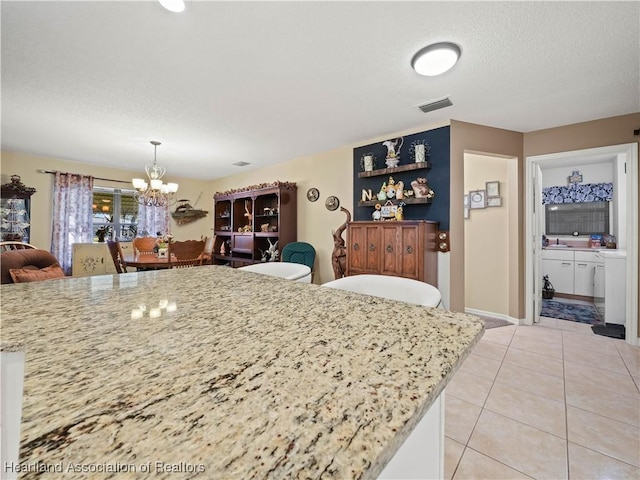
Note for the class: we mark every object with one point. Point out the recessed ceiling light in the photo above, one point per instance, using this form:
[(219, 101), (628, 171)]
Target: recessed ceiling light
[(175, 6), (436, 59)]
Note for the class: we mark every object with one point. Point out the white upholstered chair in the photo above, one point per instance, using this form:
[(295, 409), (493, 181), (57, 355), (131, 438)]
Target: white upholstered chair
[(290, 271), (394, 288)]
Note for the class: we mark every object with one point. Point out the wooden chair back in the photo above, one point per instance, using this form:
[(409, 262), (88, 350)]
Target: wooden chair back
[(144, 245), (186, 254), (207, 255), (12, 245), (116, 253)]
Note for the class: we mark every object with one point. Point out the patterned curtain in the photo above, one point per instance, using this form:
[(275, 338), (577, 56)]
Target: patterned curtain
[(588, 192), (152, 220), (72, 215)]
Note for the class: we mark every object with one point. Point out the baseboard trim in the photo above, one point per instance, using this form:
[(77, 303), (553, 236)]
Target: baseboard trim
[(501, 316)]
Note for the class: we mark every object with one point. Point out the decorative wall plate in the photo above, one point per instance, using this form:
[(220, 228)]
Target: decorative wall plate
[(332, 203), (313, 194)]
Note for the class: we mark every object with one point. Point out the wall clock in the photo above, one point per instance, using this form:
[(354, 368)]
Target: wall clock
[(332, 203), (313, 194)]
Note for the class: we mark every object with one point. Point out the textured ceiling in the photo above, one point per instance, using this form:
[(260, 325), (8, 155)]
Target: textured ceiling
[(265, 82)]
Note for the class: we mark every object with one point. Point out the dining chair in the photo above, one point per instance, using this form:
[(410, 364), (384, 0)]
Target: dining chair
[(13, 245), (116, 254), (299, 252), (207, 255), (186, 254), (394, 288), (144, 245)]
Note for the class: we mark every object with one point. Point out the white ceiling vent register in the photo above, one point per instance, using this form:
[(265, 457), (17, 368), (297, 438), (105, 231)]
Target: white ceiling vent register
[(435, 105)]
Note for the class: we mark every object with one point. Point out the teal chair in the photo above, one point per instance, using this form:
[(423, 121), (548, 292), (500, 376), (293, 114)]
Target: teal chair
[(299, 252)]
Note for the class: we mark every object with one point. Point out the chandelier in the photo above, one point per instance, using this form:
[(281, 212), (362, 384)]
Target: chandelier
[(154, 193)]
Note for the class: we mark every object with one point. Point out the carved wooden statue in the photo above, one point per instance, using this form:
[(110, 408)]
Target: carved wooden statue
[(339, 256)]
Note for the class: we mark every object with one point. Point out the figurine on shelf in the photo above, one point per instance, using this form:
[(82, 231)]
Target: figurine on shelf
[(421, 189), (377, 214), (271, 254), (382, 195), (400, 190), (393, 151)]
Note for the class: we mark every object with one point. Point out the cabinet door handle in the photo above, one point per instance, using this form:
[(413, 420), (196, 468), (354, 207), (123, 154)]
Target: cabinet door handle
[(582, 264), (566, 263), (372, 247), (356, 246), (409, 249), (389, 249)]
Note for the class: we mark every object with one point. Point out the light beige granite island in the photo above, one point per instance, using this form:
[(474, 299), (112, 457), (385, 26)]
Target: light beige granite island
[(249, 377)]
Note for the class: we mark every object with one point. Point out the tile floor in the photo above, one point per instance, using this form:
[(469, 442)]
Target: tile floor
[(550, 401)]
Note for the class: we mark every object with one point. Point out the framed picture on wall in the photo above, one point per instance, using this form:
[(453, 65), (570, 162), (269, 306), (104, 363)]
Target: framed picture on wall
[(466, 212), (466, 201), (478, 199), (494, 202), (493, 189)]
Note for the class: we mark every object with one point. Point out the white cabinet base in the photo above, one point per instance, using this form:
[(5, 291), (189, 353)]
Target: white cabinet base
[(422, 453)]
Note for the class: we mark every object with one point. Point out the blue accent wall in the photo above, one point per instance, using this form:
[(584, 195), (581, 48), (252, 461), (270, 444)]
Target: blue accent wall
[(438, 176)]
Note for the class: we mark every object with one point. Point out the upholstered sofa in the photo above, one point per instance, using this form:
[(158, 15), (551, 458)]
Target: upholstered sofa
[(28, 265)]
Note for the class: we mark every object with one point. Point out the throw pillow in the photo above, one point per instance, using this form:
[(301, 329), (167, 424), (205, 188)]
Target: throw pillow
[(22, 275)]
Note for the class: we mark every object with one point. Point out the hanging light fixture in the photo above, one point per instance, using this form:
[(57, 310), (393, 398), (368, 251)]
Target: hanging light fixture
[(154, 193)]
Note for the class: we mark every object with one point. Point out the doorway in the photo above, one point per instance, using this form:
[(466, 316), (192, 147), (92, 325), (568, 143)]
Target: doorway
[(623, 159)]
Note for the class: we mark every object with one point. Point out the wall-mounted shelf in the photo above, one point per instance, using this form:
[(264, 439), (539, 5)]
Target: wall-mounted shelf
[(408, 201), (392, 170)]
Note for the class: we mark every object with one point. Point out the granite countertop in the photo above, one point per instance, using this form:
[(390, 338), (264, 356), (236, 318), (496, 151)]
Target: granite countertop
[(250, 377)]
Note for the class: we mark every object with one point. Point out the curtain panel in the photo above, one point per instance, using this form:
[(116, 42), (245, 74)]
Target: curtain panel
[(153, 220), (588, 192), (72, 215)]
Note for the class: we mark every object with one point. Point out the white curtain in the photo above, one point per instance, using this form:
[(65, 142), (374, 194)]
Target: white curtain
[(72, 215), (152, 220)]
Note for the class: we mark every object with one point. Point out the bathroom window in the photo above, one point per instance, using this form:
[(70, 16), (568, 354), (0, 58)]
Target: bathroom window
[(584, 218)]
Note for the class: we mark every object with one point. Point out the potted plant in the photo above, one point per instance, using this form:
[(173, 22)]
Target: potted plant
[(547, 288)]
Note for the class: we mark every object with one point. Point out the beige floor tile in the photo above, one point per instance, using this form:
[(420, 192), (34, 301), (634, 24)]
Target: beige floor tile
[(538, 332), (460, 418), (523, 448), (623, 408), (470, 388), (598, 378), (475, 465), (535, 361), (481, 366), (548, 322), (531, 381), (595, 343), (498, 335), (533, 410), (537, 345), (452, 454), (587, 464), (599, 360), (631, 358), (577, 327), (610, 437), (490, 350)]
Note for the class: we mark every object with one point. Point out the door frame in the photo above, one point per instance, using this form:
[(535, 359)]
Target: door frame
[(627, 153)]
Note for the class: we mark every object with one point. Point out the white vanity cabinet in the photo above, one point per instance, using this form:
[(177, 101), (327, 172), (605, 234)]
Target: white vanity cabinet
[(571, 271), (558, 265), (584, 272)]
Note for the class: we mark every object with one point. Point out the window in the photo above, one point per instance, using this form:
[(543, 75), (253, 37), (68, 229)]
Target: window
[(584, 218), (115, 212)]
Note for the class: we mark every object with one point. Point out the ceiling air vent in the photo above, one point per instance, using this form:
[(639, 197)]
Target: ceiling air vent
[(241, 164), (435, 105)]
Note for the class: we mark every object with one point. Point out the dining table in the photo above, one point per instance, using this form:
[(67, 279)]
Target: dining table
[(218, 373), (146, 261)]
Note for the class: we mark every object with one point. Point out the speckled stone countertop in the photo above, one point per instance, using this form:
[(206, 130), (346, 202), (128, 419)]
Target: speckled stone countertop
[(250, 377)]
